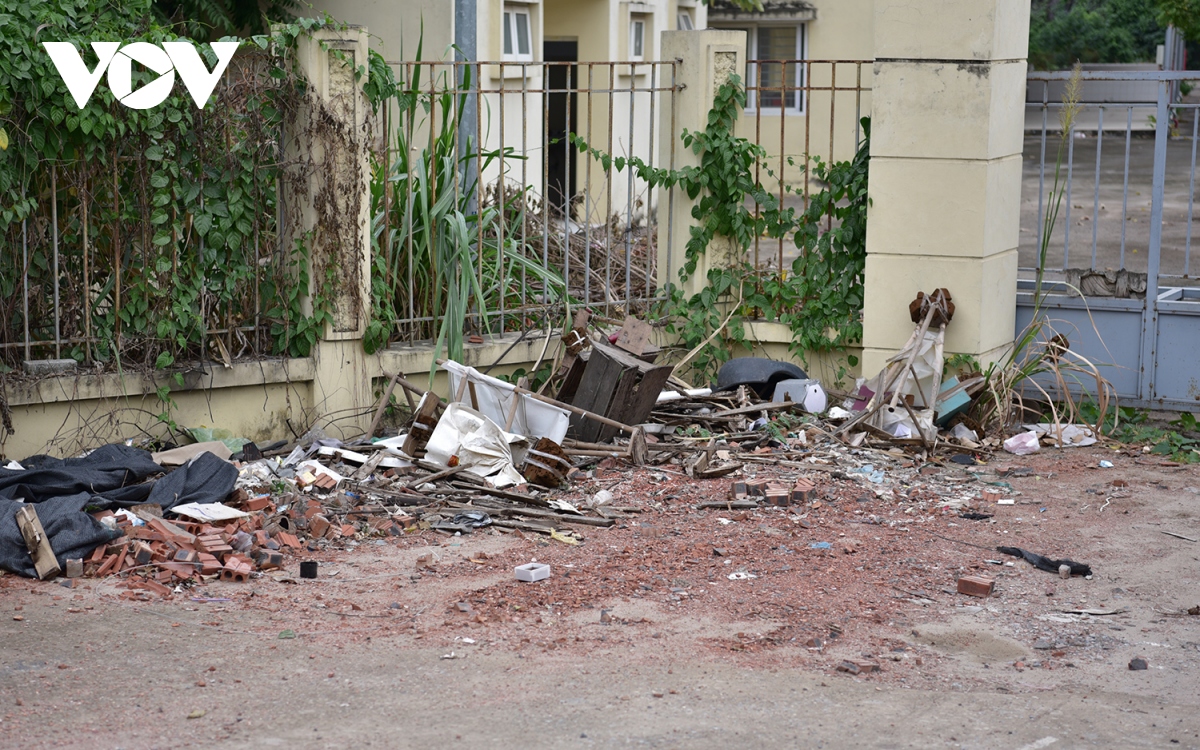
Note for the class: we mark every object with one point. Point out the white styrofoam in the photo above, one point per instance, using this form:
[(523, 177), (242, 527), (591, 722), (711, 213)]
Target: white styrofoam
[(532, 572)]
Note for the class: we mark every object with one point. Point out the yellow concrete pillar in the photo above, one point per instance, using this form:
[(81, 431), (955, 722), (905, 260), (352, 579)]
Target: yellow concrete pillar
[(946, 137), (704, 62), (328, 205)]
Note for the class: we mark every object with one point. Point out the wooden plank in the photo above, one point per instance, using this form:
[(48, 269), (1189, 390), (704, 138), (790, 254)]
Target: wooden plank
[(423, 423), (383, 402), (622, 395), (639, 406), (596, 390), (570, 383), (44, 561), (634, 336)]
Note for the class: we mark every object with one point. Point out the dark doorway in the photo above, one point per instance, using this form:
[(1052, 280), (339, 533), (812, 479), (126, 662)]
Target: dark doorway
[(561, 119)]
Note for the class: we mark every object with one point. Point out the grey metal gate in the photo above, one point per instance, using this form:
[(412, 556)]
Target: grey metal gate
[(1131, 304)]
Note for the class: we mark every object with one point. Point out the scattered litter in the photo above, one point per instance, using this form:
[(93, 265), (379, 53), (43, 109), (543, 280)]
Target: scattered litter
[(1064, 436), (209, 512), (875, 476), (1023, 443), (820, 545), (1045, 563), (962, 432), (740, 575), (180, 456), (1106, 464)]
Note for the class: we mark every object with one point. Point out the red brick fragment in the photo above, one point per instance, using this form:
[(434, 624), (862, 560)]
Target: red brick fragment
[(976, 586)]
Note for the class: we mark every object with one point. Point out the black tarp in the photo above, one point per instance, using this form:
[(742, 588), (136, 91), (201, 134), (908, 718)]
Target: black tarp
[(112, 476)]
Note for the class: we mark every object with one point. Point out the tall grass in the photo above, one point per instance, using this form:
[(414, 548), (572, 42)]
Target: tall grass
[(1041, 353), (443, 259)]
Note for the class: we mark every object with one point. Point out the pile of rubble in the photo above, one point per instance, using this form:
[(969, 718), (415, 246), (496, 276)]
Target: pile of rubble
[(501, 456)]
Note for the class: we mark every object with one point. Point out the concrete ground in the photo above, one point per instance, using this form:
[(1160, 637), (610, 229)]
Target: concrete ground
[(86, 668)]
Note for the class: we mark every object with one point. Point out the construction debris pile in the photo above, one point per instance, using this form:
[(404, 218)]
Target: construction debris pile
[(496, 456)]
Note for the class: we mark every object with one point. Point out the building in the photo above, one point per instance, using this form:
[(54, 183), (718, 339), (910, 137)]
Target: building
[(555, 62)]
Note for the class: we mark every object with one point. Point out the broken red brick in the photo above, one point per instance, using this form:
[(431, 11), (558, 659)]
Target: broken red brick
[(109, 564), (318, 524), (976, 586), (804, 491)]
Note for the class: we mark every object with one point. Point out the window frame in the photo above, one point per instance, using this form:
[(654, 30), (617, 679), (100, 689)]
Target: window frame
[(509, 31), (682, 13), (637, 21), (751, 29)]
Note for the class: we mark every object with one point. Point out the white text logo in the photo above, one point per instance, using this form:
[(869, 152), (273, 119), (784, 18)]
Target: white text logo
[(166, 61)]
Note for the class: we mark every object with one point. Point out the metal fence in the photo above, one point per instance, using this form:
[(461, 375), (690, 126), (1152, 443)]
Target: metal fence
[(798, 111), (1122, 287), (543, 221), (588, 227), (140, 249), (1109, 217)]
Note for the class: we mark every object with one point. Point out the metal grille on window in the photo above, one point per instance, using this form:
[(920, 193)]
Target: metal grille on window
[(777, 43)]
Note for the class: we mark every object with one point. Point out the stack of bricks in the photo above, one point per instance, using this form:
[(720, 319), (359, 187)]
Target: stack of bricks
[(160, 554), (774, 492)]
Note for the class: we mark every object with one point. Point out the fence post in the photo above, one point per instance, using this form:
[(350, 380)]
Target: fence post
[(704, 60), (946, 138), (327, 207)]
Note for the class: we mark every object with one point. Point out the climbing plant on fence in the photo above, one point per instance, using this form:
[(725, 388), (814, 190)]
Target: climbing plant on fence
[(145, 237), (820, 300)]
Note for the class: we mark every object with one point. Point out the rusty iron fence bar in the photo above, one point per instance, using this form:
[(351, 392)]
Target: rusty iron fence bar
[(797, 111), (74, 256)]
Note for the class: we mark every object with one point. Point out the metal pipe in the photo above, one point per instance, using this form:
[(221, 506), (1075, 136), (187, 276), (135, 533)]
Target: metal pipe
[(1096, 196), (1187, 247), (629, 194), (465, 36), (1125, 190)]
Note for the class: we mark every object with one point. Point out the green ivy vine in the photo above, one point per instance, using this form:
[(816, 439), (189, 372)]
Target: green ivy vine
[(820, 300), (178, 208)]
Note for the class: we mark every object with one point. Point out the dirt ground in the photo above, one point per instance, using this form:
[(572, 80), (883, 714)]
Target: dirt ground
[(678, 627)]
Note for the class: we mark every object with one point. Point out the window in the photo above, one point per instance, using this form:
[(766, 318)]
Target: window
[(683, 20), (637, 38), (772, 70), (517, 35)]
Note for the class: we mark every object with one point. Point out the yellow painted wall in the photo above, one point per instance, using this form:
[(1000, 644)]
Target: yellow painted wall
[(842, 31)]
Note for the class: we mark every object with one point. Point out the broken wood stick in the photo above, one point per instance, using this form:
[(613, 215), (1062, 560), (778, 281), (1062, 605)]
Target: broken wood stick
[(383, 402), (539, 514), (435, 477)]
